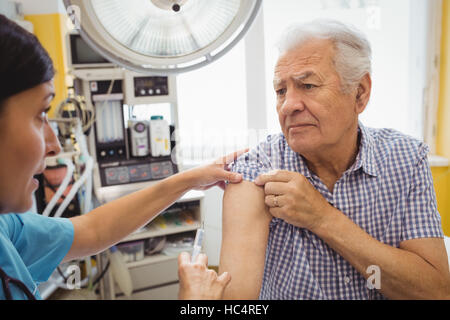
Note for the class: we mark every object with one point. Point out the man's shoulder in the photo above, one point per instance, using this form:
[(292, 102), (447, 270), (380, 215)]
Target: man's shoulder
[(273, 141), (390, 143), (265, 156)]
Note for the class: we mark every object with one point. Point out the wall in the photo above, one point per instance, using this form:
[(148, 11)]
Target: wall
[(441, 179), (49, 22), (441, 175), (443, 134)]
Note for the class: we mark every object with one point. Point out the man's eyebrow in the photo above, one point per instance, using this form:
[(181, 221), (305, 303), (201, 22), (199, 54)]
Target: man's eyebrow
[(296, 77), (277, 82), (303, 76)]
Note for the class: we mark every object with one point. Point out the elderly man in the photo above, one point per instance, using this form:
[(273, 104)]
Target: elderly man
[(350, 212)]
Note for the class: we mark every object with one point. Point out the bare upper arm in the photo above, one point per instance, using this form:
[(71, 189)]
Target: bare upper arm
[(245, 230), (83, 240)]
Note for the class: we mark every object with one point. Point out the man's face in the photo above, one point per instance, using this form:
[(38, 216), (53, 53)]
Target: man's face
[(313, 110)]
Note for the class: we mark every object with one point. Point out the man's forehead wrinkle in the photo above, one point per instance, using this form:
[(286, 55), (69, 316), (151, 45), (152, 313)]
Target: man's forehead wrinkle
[(294, 65), (314, 58), (297, 62), (301, 59)]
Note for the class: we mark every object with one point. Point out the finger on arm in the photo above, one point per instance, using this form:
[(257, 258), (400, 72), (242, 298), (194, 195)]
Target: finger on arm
[(273, 176), (231, 157)]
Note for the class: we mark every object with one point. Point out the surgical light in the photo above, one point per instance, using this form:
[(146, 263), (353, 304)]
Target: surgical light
[(163, 36)]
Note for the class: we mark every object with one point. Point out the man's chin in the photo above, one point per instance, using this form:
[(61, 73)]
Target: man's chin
[(301, 146)]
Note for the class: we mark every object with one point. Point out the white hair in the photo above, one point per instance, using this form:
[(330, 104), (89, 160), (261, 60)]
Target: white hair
[(353, 52)]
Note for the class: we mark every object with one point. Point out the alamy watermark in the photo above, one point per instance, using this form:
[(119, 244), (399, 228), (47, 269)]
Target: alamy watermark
[(73, 280), (374, 280), (208, 144)]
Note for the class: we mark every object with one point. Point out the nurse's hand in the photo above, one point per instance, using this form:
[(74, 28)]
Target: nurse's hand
[(215, 174), (197, 282)]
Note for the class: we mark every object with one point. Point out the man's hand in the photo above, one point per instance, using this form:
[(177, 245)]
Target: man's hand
[(291, 197), (197, 282)]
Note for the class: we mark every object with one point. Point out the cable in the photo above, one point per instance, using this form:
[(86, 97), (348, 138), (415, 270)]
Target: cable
[(76, 186), (62, 187), (85, 157), (61, 274), (101, 275), (53, 188), (83, 111), (85, 177)]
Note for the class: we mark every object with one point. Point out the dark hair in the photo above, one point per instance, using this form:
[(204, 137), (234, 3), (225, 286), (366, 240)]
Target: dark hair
[(24, 63)]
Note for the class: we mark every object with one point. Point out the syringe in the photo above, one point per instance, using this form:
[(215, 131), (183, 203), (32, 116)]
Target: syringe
[(197, 244)]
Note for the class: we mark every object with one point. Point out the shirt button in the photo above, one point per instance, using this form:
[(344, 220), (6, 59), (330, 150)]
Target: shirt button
[(347, 280)]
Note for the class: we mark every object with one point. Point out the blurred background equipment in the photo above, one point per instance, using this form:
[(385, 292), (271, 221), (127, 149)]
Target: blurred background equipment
[(117, 122), (163, 36)]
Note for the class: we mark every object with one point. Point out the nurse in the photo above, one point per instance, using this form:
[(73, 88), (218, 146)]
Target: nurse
[(31, 245)]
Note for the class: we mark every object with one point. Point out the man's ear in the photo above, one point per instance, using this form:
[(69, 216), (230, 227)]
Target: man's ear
[(363, 93)]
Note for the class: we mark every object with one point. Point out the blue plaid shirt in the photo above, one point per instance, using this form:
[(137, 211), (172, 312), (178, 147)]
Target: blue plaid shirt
[(388, 192)]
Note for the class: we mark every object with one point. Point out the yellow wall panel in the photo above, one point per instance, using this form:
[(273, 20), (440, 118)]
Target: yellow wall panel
[(443, 132), (51, 30), (442, 180), (441, 177)]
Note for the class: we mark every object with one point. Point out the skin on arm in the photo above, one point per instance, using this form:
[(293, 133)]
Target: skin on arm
[(111, 222), (245, 231), (418, 269)]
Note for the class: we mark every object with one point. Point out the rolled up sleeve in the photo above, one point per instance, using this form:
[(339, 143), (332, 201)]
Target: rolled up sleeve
[(422, 219)]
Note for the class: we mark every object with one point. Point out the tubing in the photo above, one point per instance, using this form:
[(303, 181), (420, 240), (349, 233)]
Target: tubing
[(70, 168), (87, 173)]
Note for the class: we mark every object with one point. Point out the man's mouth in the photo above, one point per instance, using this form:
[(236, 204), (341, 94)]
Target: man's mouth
[(299, 126)]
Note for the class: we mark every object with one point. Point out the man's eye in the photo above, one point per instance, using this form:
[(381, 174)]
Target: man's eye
[(280, 92), (309, 86)]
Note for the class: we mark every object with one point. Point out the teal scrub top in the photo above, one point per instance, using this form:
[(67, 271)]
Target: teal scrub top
[(31, 247)]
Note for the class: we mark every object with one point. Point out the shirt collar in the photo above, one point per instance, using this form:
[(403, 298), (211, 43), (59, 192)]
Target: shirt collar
[(365, 158), (302, 167)]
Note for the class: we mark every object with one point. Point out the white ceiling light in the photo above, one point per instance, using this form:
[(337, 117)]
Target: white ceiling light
[(164, 36)]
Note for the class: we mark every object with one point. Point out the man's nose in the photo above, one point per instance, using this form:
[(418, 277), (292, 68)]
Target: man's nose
[(293, 102), (52, 145)]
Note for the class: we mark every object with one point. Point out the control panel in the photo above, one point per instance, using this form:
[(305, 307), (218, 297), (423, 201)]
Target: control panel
[(123, 174), (150, 86)]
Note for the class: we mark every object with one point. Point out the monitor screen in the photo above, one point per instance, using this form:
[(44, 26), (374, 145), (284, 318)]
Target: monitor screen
[(82, 53)]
